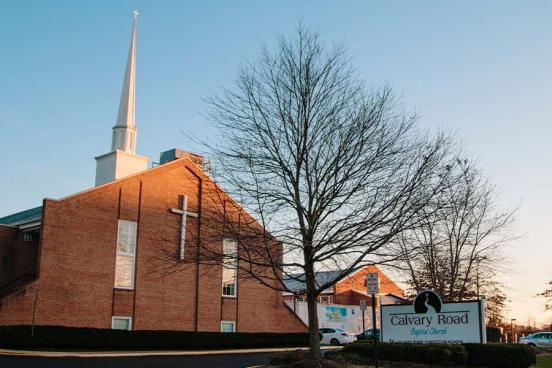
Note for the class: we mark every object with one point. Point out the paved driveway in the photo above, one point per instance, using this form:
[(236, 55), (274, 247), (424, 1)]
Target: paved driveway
[(197, 361)]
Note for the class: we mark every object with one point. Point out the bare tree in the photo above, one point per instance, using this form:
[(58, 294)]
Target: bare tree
[(324, 170), (547, 294), (495, 305), (456, 249)]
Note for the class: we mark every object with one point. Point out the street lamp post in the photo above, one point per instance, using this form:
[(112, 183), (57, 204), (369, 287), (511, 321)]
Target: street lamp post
[(512, 329)]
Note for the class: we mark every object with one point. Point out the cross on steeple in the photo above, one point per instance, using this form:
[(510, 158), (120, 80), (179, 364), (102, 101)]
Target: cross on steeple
[(136, 13), (184, 213)]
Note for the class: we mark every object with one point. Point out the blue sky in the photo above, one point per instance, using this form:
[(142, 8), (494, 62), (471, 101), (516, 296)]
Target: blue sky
[(482, 70)]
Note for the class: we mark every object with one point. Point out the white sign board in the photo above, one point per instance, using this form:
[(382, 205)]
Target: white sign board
[(429, 320), (372, 283)]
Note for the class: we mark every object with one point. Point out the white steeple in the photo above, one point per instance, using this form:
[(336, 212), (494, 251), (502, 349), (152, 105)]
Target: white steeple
[(124, 131), (123, 160)]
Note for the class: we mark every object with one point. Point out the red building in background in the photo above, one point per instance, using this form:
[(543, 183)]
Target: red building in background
[(350, 290)]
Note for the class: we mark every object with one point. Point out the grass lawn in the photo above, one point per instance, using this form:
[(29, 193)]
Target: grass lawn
[(544, 361)]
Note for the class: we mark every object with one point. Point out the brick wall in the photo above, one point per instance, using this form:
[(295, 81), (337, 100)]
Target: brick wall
[(18, 258), (77, 265)]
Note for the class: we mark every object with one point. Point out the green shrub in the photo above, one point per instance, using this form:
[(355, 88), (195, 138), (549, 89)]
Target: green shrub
[(419, 353), (57, 337), (288, 357), (301, 359), (493, 334), (500, 355), (345, 358)]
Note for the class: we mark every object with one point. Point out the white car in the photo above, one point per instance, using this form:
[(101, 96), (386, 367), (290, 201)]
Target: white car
[(335, 336), (540, 339)]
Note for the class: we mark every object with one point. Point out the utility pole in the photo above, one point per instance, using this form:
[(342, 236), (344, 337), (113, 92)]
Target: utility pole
[(512, 329)]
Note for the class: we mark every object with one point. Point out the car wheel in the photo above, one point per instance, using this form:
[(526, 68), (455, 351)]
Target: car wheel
[(334, 342), (531, 344)]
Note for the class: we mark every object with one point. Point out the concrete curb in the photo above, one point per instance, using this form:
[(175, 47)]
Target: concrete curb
[(115, 354)]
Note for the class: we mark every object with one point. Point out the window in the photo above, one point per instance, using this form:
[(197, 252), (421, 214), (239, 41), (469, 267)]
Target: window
[(229, 267), (121, 323), (126, 254), (325, 299), (28, 236), (228, 326)]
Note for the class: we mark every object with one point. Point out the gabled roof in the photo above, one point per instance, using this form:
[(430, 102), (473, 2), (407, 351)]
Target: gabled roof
[(296, 282), (35, 214), (23, 217)]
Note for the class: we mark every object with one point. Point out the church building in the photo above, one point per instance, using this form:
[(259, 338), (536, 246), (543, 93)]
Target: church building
[(96, 258)]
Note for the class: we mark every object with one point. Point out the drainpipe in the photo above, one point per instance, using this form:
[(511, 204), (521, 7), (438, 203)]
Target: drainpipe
[(34, 314)]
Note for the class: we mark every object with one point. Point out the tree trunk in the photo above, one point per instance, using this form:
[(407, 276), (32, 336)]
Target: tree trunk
[(314, 338)]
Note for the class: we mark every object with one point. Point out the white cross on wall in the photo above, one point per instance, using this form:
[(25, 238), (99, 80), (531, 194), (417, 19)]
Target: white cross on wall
[(184, 213)]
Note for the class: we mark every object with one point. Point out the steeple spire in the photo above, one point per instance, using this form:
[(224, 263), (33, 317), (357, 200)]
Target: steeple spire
[(124, 131), (123, 160)]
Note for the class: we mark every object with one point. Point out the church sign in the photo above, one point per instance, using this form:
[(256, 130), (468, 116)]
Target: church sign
[(429, 320)]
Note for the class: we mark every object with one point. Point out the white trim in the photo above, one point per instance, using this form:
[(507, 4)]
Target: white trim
[(233, 323), (129, 319), (29, 225)]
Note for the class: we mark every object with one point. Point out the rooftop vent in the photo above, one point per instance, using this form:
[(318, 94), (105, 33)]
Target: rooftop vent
[(176, 153)]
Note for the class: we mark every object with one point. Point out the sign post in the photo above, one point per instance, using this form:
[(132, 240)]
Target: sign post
[(372, 287), (363, 309)]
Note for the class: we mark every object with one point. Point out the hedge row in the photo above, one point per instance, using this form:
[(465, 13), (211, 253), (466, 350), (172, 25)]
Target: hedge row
[(419, 353), (500, 355), (57, 337), (471, 355)]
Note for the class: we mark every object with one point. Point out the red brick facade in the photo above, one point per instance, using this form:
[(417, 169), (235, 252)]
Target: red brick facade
[(77, 263), (352, 289)]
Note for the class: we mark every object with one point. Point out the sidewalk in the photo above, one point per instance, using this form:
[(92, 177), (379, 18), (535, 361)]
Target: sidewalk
[(108, 354)]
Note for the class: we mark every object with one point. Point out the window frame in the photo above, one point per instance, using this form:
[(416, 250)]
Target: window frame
[(325, 299), (129, 319), (126, 254), (233, 323), (226, 264)]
